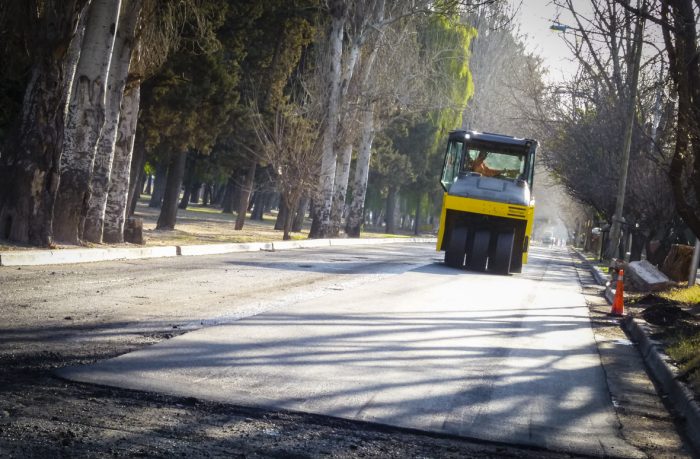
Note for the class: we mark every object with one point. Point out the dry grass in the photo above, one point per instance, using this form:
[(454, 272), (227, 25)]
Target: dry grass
[(686, 352), (687, 295), (204, 225), (208, 225), (685, 347)]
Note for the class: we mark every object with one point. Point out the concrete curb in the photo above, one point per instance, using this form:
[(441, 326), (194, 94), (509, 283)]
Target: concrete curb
[(309, 243), (216, 249), (67, 256), (665, 375), (600, 277), (388, 240)]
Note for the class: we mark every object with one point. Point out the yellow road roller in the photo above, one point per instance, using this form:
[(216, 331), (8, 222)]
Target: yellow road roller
[(487, 208)]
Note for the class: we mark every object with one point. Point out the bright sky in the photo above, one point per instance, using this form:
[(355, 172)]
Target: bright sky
[(535, 17)]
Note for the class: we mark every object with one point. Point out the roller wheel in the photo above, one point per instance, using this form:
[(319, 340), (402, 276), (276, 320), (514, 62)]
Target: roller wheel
[(516, 261), (479, 251), (500, 261), (454, 255)]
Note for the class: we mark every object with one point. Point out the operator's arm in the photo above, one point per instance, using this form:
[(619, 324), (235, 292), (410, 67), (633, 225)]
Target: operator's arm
[(486, 171)]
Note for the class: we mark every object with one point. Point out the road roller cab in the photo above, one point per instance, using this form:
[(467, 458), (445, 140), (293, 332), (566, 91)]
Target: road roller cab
[(488, 209)]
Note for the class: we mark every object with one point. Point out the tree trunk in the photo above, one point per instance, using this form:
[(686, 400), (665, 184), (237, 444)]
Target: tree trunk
[(416, 226), (259, 206), (639, 242), (237, 190), (300, 214), (229, 193), (138, 163), (187, 180), (29, 165), (315, 222), (195, 191), (186, 193), (391, 209), (281, 216), (105, 155), (244, 196), (133, 201), (682, 51), (176, 171), (271, 198), (159, 184), (85, 121), (120, 177), (324, 197), (207, 195), (359, 187), (288, 217), (342, 175), (218, 195), (378, 218)]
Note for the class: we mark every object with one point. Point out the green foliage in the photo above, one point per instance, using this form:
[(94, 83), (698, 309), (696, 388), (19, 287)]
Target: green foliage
[(446, 42), (274, 46), (449, 41), (265, 40), (149, 169), (414, 138), (202, 98), (409, 150), (192, 101), (389, 166)]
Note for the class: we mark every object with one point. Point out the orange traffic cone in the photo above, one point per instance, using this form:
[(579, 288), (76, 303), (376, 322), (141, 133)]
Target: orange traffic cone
[(618, 306)]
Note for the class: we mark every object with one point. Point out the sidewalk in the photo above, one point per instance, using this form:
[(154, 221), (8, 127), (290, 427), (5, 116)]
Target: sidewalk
[(199, 231), (661, 368)]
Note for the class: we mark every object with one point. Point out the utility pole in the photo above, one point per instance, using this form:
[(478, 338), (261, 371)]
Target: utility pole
[(694, 263), (614, 240)]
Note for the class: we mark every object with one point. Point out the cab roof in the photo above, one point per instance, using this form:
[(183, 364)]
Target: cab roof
[(461, 134)]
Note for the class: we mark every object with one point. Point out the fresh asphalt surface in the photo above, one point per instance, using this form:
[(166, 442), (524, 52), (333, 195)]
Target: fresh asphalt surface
[(502, 358)]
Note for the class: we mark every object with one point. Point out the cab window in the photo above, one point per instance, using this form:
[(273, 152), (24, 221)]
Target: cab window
[(452, 164)]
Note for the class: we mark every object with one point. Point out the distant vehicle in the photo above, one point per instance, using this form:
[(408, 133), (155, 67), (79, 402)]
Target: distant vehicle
[(487, 209), (548, 238)]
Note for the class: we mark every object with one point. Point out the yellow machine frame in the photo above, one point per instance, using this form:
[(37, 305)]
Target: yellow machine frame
[(496, 209)]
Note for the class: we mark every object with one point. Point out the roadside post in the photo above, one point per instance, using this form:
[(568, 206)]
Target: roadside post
[(694, 263)]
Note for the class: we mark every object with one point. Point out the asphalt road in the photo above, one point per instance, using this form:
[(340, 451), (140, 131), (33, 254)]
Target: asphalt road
[(396, 339), (98, 301)]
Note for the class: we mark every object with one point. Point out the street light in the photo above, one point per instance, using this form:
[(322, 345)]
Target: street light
[(559, 27), (615, 229), (622, 183)]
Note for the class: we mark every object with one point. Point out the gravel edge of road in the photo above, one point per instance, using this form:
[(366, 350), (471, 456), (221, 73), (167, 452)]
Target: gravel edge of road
[(658, 365), (88, 255)]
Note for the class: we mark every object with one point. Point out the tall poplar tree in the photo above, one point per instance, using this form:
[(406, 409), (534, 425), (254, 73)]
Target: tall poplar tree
[(85, 120), (31, 153)]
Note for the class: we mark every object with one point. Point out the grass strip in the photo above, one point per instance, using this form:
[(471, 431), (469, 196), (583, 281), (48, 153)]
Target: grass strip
[(685, 345)]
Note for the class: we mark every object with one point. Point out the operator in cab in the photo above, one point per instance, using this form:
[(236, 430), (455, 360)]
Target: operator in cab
[(479, 165)]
